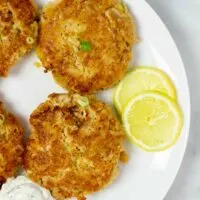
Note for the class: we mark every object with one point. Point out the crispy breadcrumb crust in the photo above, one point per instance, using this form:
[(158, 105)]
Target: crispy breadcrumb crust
[(105, 26), (11, 144), (18, 31), (73, 151)]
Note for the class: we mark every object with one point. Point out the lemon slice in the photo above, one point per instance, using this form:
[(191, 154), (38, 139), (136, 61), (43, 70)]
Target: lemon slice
[(142, 79), (152, 121)]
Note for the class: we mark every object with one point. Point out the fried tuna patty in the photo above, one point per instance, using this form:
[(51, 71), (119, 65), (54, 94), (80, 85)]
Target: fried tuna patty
[(74, 147), (86, 44), (11, 145), (18, 31)]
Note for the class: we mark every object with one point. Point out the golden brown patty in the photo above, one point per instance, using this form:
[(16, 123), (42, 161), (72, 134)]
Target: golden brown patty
[(11, 146), (74, 148), (86, 43), (18, 31)]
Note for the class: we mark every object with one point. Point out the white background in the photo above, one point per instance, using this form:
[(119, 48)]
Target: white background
[(182, 17)]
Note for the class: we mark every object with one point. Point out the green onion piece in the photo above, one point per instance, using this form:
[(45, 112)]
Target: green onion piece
[(1, 37), (124, 6), (2, 119), (29, 40), (83, 102), (85, 45)]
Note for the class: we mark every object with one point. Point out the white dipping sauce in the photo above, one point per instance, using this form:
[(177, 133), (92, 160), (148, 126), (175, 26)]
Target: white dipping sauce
[(21, 188)]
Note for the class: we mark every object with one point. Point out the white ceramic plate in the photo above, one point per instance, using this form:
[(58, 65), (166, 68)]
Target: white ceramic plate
[(147, 175)]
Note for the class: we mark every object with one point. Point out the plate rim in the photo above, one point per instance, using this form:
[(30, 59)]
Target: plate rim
[(188, 122)]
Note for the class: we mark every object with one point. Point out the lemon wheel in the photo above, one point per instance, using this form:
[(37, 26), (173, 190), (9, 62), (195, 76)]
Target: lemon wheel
[(152, 121), (142, 79)]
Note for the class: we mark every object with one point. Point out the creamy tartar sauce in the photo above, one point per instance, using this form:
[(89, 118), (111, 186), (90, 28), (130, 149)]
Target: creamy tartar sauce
[(21, 188)]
